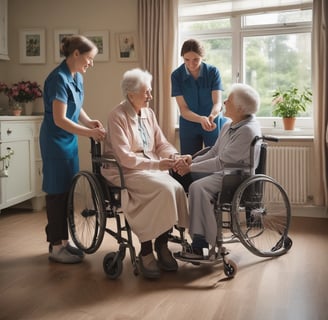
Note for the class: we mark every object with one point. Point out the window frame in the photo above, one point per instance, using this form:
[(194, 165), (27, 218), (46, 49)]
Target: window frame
[(270, 125)]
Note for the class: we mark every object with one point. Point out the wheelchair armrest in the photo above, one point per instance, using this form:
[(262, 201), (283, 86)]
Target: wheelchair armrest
[(112, 161), (201, 152)]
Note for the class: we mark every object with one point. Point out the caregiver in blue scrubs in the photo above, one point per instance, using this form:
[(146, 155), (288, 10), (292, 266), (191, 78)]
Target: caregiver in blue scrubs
[(197, 88), (65, 119)]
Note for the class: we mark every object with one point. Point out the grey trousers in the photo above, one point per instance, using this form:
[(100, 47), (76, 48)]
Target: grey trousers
[(202, 196)]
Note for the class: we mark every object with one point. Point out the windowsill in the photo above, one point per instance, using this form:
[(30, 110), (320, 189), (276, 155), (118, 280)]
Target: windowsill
[(273, 126), (297, 133)]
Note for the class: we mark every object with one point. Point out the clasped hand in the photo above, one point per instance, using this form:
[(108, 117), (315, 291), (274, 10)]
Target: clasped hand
[(208, 123), (180, 164)]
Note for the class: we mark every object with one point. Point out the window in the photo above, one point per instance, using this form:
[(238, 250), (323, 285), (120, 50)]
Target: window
[(264, 47)]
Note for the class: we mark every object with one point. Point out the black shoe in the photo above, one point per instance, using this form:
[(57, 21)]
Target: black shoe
[(191, 256), (148, 266), (165, 259), (194, 254)]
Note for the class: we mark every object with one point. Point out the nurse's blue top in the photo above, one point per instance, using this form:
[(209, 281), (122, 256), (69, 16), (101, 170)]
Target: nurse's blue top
[(196, 92), (59, 148)]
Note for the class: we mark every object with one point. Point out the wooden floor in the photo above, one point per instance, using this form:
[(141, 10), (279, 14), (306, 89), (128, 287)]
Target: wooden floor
[(294, 286)]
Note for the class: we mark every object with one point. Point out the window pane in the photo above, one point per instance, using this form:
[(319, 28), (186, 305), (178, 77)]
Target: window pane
[(226, 7), (283, 17), (277, 61), (218, 53), (200, 25)]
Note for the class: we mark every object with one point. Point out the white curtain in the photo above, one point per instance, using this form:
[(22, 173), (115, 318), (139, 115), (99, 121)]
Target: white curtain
[(158, 36), (320, 99)]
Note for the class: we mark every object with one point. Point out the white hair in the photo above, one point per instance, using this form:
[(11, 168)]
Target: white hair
[(246, 98), (134, 79)]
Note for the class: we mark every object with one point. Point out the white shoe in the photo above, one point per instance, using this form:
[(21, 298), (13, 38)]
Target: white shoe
[(64, 256)]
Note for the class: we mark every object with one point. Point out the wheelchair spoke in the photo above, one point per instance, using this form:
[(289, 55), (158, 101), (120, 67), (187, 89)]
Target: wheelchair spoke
[(86, 212), (262, 215)]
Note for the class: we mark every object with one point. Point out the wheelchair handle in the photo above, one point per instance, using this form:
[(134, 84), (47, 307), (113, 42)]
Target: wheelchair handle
[(253, 143), (264, 138), (270, 138)]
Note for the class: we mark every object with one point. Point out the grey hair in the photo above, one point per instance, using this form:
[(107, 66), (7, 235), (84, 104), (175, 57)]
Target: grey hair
[(246, 98), (134, 79)]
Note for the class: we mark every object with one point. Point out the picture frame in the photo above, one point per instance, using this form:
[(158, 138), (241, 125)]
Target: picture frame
[(32, 46), (59, 34), (101, 39), (127, 46)]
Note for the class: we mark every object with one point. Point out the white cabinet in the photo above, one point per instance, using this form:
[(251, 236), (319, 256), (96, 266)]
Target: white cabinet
[(4, 30), (24, 180)]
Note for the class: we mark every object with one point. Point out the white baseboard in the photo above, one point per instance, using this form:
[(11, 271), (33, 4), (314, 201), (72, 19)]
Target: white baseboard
[(309, 211)]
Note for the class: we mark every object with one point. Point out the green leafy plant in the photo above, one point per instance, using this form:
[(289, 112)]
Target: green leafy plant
[(290, 102)]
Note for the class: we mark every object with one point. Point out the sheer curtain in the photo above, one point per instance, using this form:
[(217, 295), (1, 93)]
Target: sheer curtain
[(158, 37), (320, 99)]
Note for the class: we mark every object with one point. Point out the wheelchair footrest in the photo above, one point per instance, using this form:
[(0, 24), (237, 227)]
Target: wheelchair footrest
[(212, 258), (174, 239)]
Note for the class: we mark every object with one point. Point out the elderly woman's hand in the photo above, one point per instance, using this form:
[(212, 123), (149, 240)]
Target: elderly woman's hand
[(166, 164), (182, 165)]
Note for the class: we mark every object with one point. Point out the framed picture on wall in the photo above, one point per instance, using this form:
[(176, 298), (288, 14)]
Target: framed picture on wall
[(32, 48), (58, 37), (127, 46), (101, 39)]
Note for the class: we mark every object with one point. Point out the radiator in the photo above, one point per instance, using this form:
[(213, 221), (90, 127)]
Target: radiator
[(290, 167)]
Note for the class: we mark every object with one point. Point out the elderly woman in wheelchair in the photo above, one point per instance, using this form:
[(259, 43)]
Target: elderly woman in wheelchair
[(231, 156), (153, 201)]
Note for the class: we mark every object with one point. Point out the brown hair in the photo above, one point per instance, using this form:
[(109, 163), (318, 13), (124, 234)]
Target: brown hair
[(76, 42), (194, 46)]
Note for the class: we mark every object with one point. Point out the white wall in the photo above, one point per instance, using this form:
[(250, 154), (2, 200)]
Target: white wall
[(102, 83)]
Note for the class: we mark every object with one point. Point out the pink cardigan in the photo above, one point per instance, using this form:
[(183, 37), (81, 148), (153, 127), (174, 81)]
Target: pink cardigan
[(124, 142)]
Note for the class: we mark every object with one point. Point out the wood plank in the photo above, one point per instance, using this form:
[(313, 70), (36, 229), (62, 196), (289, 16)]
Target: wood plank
[(293, 286)]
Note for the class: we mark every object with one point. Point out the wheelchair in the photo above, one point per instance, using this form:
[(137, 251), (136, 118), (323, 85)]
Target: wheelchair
[(91, 201), (252, 209)]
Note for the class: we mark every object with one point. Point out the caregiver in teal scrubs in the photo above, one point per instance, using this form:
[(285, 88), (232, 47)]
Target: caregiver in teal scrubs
[(65, 119), (197, 88)]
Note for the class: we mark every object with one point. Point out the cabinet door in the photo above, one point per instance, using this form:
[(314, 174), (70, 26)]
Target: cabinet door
[(19, 185)]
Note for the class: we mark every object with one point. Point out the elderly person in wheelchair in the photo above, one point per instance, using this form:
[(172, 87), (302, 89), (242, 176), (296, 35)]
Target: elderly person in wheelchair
[(231, 152), (153, 201)]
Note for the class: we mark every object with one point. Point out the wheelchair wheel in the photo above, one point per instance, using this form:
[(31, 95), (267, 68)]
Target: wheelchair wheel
[(261, 216), (230, 268), (113, 265), (86, 212)]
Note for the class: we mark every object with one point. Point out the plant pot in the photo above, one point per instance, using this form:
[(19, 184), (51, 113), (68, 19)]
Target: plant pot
[(289, 123), (17, 112)]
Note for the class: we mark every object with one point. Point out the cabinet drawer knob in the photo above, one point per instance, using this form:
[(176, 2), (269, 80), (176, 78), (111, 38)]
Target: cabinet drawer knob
[(9, 132)]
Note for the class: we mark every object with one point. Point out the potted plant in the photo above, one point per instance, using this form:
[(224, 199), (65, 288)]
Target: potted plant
[(22, 93), (289, 103)]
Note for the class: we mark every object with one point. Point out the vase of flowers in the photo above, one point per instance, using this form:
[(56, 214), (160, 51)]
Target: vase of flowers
[(16, 107), (23, 92)]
